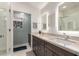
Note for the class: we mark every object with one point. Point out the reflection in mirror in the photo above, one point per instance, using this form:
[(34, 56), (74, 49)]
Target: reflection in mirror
[(44, 26), (68, 16), (44, 21), (35, 25)]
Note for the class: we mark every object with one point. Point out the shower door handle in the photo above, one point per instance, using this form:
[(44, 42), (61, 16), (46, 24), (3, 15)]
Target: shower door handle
[(1, 36)]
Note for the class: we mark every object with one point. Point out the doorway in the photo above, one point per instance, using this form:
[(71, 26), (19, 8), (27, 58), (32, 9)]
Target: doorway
[(21, 29)]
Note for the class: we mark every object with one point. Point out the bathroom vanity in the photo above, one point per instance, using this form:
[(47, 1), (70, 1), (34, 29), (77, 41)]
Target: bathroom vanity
[(45, 45)]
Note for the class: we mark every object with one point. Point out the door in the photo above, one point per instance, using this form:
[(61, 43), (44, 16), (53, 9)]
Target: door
[(4, 13)]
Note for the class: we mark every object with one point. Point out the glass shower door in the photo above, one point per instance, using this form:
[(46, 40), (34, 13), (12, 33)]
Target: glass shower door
[(3, 28)]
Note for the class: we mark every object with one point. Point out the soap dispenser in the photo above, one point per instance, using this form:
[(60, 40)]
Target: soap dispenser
[(39, 32)]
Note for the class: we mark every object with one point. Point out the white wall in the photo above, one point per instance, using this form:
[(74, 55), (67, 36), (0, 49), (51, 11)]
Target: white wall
[(24, 7)]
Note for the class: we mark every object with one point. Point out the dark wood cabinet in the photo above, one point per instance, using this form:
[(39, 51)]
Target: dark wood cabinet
[(38, 46), (44, 48), (34, 46)]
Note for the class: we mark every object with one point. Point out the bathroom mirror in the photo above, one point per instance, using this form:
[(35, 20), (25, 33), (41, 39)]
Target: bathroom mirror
[(44, 21), (35, 25), (68, 16)]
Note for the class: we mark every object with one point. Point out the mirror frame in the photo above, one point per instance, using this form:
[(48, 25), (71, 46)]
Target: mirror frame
[(47, 14), (73, 33)]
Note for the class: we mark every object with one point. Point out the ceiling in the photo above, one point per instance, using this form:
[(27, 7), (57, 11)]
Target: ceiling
[(38, 5), (69, 5)]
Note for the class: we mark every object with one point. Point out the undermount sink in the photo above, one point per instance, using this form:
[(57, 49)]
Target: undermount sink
[(65, 42), (59, 40)]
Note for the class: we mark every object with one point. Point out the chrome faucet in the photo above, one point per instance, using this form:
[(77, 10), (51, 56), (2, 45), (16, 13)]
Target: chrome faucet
[(66, 37)]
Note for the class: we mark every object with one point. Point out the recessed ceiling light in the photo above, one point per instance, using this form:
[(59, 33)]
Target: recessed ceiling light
[(64, 6)]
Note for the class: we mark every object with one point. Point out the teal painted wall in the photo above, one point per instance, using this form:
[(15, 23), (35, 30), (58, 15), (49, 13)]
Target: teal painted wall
[(21, 34)]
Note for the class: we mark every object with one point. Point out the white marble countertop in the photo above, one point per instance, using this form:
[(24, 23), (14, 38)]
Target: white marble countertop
[(72, 47)]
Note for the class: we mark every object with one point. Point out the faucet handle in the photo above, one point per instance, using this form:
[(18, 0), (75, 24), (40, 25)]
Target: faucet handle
[(66, 36), (64, 33)]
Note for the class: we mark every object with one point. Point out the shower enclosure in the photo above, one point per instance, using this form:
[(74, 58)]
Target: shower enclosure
[(4, 18), (21, 29)]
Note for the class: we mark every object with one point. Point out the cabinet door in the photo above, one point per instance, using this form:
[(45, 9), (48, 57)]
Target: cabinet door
[(41, 51), (40, 47), (34, 45), (37, 47), (48, 52)]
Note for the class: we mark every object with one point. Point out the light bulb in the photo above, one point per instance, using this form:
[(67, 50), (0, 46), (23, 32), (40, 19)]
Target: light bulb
[(64, 6)]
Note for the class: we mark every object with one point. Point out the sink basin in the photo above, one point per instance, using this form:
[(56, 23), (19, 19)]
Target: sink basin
[(59, 40), (65, 42)]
